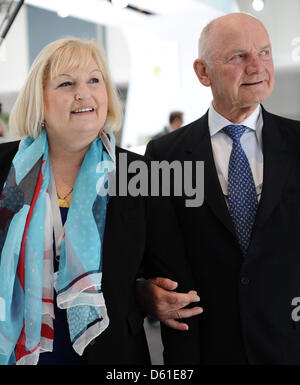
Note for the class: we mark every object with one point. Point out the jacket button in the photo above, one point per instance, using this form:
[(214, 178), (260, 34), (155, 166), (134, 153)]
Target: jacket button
[(245, 281)]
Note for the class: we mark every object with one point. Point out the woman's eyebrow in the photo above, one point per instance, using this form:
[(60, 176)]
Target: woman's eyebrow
[(90, 72), (95, 70), (59, 75)]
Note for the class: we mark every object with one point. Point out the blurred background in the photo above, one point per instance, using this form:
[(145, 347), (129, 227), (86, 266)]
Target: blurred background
[(150, 46)]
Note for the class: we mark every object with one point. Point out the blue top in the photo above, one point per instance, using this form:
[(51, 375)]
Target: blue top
[(63, 352)]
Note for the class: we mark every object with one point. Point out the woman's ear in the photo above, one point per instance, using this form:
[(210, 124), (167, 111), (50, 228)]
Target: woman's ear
[(200, 68)]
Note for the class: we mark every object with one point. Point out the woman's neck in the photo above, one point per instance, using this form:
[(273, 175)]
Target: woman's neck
[(66, 163)]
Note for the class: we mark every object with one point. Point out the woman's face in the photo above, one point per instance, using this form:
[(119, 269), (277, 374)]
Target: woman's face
[(75, 105)]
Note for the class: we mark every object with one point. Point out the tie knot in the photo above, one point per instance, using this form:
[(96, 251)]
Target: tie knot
[(235, 131)]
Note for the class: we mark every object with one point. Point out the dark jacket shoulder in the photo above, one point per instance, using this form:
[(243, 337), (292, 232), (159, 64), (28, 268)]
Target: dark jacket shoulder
[(7, 152), (289, 129), (131, 156), (282, 119), (8, 149), (161, 147)]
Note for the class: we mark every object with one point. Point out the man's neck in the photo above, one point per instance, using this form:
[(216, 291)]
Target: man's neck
[(235, 115)]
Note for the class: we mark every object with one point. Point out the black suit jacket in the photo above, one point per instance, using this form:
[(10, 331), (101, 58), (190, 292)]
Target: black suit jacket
[(164, 131), (138, 230), (247, 301)]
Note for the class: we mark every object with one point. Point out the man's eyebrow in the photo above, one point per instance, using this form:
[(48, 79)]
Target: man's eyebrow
[(236, 50), (243, 50), (266, 46)]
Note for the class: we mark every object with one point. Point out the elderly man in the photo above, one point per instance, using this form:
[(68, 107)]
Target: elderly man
[(242, 244)]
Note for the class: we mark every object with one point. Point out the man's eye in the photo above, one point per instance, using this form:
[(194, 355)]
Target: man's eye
[(65, 84), (236, 57), (265, 52)]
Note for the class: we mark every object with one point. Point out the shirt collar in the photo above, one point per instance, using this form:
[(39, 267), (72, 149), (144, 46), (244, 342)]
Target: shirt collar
[(254, 121), (216, 121)]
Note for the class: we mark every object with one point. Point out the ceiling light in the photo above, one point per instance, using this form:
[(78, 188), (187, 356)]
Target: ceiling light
[(258, 5)]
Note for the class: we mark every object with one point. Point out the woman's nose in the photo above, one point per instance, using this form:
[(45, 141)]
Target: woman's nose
[(82, 91)]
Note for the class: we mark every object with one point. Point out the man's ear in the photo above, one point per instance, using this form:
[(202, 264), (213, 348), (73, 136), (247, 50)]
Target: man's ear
[(200, 67)]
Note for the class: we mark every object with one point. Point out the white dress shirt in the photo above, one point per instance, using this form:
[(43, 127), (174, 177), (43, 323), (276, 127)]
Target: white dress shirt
[(251, 142)]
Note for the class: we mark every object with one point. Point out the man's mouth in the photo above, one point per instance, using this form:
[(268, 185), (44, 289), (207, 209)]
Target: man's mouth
[(82, 110), (252, 83)]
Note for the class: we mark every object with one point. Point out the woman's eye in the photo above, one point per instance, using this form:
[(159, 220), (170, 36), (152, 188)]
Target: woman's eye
[(94, 80), (65, 84)]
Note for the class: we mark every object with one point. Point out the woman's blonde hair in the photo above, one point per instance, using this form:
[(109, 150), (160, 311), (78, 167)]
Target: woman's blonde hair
[(27, 115)]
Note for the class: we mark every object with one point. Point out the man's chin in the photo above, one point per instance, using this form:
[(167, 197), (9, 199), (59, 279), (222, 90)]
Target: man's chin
[(249, 98), (253, 101)]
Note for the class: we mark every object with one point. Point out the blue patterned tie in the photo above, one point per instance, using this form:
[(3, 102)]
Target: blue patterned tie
[(241, 188)]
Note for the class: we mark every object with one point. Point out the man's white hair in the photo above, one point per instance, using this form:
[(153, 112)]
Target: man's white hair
[(204, 42)]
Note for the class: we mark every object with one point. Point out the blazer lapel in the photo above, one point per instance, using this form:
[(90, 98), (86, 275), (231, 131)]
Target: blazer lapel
[(277, 164), (198, 147)]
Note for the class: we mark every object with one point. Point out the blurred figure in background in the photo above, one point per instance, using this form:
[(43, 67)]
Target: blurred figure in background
[(175, 122)]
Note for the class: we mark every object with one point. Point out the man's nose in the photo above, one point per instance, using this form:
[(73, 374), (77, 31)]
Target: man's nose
[(254, 65), (82, 91)]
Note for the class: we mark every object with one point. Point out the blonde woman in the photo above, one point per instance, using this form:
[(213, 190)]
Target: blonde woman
[(70, 256)]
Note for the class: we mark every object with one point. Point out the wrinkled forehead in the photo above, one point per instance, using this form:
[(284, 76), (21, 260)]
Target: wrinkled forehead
[(245, 35)]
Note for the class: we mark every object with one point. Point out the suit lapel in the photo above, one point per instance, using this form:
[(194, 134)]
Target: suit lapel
[(198, 147), (277, 164)]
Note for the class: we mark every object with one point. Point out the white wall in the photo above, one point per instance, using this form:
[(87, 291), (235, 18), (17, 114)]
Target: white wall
[(118, 56), (162, 78), (282, 20), (14, 57)]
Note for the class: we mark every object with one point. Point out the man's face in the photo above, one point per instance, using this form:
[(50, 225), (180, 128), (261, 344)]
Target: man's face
[(241, 73), (177, 123)]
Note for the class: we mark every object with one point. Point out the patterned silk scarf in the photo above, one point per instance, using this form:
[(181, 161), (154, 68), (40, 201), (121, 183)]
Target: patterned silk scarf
[(27, 225)]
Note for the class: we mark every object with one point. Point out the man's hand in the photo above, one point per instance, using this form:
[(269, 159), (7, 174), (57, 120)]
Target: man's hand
[(159, 301)]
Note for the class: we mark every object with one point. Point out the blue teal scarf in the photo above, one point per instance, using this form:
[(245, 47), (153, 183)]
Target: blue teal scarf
[(26, 247)]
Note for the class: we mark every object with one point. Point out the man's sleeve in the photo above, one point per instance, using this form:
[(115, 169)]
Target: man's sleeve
[(165, 257)]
